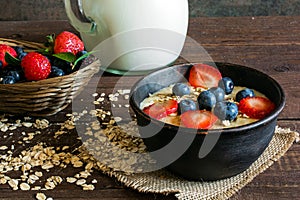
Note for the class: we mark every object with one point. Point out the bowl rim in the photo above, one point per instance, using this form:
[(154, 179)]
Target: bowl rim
[(230, 130)]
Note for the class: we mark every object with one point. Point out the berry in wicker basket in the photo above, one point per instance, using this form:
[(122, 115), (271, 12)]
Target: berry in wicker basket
[(48, 96)]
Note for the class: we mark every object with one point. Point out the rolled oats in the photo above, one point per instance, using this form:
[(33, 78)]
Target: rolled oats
[(84, 174), (107, 143), (118, 119), (3, 147), (24, 186), (4, 128), (65, 148), (57, 180), (36, 188), (41, 123), (13, 183), (95, 95), (80, 182), (3, 181), (71, 179), (48, 165), (94, 181), (88, 187), (89, 166), (77, 164), (41, 196), (49, 185), (38, 174)]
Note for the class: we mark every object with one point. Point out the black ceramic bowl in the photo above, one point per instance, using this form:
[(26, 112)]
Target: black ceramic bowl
[(206, 154)]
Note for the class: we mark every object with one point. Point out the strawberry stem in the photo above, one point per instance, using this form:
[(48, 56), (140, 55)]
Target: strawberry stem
[(81, 58)]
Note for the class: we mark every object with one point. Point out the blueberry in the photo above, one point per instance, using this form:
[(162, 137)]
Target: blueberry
[(1, 64), (17, 68), (62, 64), (14, 74), (21, 55), (55, 61), (226, 110), (227, 84), (218, 92), (55, 72), (8, 80), (81, 53), (186, 105), (18, 49), (206, 100), (243, 94), (180, 89)]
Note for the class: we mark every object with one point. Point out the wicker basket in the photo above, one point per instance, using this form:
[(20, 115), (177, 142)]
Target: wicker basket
[(46, 97)]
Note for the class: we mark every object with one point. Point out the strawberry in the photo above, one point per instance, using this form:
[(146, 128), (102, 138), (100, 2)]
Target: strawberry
[(198, 119), (6, 49), (160, 110), (205, 76), (67, 42), (256, 107), (35, 66)]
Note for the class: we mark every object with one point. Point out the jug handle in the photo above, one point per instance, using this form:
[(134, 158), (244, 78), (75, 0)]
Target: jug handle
[(78, 18)]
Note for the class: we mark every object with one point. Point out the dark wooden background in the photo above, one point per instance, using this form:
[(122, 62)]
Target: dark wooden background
[(19, 10), (270, 44)]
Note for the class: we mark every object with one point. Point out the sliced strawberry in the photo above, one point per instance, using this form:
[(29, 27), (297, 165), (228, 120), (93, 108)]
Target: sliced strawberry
[(6, 49), (198, 119), (160, 110), (256, 107), (206, 76)]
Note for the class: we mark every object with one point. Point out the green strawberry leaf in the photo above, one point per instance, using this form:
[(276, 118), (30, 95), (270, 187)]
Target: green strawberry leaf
[(49, 45), (69, 57), (46, 52), (50, 39), (12, 60)]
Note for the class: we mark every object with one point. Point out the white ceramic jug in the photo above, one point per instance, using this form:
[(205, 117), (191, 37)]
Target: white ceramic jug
[(131, 36)]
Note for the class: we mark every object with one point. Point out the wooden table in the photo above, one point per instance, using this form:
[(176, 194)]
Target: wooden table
[(270, 44)]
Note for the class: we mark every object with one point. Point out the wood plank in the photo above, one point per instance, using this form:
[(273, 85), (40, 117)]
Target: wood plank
[(281, 179), (34, 31), (246, 31)]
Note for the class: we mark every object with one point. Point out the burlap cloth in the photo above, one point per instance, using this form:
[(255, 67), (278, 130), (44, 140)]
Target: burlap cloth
[(165, 183)]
